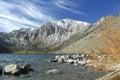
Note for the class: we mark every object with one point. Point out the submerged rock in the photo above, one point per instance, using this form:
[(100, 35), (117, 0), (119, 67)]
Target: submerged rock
[(13, 69), (52, 71), (111, 76)]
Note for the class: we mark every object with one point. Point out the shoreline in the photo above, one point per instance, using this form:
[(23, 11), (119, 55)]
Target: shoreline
[(94, 63)]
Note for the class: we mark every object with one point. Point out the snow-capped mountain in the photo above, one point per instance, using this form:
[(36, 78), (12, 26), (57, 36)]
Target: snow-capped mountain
[(48, 37), (67, 23)]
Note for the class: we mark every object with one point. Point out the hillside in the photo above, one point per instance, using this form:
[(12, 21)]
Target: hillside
[(92, 41), (87, 43)]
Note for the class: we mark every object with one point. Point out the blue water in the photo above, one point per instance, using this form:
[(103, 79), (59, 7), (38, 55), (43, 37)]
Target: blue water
[(40, 66)]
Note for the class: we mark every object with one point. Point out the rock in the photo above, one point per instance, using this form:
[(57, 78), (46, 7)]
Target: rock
[(111, 76), (75, 64), (57, 57), (82, 63), (61, 60), (16, 72), (76, 56), (12, 69), (53, 71), (83, 55), (54, 60), (88, 61), (67, 56), (25, 69), (70, 61), (75, 61), (63, 57)]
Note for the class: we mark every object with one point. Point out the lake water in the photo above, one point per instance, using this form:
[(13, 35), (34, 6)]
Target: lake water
[(40, 66)]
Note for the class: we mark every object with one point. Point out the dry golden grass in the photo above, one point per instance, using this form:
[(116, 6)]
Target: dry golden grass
[(110, 35), (117, 77), (110, 45), (98, 68)]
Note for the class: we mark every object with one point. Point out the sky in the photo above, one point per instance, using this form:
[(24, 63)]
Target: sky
[(16, 14)]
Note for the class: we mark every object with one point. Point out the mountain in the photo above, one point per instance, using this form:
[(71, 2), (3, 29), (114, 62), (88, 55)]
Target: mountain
[(62, 36), (48, 37)]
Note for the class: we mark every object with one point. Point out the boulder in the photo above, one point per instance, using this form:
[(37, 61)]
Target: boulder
[(25, 69), (16, 72), (61, 60), (57, 57), (76, 56), (111, 76), (70, 61), (83, 55), (63, 57), (82, 63), (13, 69), (75, 64), (67, 56), (52, 71), (54, 60)]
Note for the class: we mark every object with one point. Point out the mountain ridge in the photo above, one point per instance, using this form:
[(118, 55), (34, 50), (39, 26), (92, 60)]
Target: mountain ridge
[(54, 36)]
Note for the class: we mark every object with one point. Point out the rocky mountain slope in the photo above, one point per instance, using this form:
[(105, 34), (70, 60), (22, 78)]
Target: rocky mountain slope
[(48, 37), (62, 36), (92, 41)]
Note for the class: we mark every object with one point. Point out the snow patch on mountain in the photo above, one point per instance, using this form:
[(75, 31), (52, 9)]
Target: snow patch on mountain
[(68, 23)]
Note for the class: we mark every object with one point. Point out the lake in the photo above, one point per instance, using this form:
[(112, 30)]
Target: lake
[(40, 66)]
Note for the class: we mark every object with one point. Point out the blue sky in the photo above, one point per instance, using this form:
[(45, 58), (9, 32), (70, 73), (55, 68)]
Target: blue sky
[(16, 14)]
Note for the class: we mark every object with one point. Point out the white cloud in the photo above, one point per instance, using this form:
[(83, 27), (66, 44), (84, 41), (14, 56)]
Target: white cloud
[(18, 14), (15, 14), (8, 25), (69, 6)]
